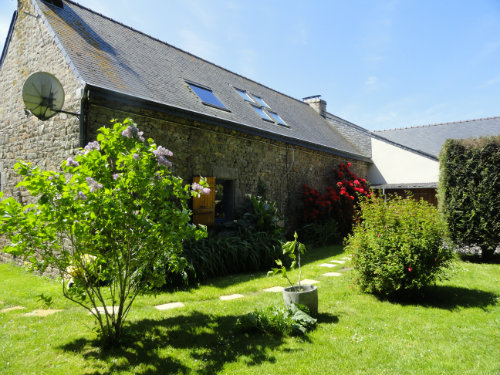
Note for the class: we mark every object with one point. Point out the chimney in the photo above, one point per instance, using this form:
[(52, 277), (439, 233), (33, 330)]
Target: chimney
[(317, 104)]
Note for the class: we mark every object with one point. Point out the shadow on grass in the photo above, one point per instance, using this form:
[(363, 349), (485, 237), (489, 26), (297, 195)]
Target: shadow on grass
[(158, 346), (447, 297), (477, 258)]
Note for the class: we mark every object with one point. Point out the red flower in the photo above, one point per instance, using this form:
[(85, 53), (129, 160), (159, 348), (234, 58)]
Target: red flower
[(349, 164), (409, 269)]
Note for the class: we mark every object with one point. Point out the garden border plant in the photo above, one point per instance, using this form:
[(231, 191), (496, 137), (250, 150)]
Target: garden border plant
[(398, 245), (109, 222)]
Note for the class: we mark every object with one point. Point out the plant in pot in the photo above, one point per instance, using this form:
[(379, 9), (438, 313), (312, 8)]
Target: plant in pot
[(305, 295)]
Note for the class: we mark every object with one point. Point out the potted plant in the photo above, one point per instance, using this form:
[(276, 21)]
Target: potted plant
[(306, 295)]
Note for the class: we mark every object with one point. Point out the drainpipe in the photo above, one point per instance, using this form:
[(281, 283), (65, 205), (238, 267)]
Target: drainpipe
[(83, 117)]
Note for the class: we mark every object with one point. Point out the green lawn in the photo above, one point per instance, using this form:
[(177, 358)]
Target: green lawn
[(454, 329)]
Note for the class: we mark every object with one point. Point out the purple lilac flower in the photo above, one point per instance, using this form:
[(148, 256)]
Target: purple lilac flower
[(200, 189), (160, 154), (162, 160), (136, 156), (70, 162), (92, 146), (81, 196), (162, 151), (93, 184), (116, 176), (133, 131)]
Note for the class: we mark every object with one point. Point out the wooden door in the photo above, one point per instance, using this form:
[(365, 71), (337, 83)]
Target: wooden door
[(204, 206)]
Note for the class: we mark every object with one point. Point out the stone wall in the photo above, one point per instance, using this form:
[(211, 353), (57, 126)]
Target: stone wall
[(23, 137), (33, 49), (210, 150)]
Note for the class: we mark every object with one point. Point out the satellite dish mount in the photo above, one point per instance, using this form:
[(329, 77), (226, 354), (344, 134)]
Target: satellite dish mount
[(43, 96)]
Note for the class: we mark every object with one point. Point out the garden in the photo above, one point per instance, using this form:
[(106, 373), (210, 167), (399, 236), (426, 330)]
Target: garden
[(365, 284)]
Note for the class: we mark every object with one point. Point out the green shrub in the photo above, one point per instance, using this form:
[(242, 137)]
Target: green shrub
[(276, 321), (469, 192), (249, 244), (398, 245)]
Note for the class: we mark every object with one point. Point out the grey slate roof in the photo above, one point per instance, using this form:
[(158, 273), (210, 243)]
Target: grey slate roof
[(430, 138), (110, 55)]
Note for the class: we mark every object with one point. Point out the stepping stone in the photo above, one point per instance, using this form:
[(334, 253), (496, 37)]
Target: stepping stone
[(44, 312), (328, 274), (111, 309), (347, 258), (13, 308), (231, 297), (169, 306), (309, 282), (274, 289), (328, 265), (338, 261)]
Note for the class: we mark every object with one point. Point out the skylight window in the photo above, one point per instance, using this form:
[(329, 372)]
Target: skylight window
[(245, 96), (261, 101), (262, 114), (206, 95), (277, 118)]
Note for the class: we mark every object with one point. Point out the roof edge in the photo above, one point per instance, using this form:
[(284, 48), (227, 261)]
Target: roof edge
[(58, 43), (438, 124), (9, 37), (171, 109)]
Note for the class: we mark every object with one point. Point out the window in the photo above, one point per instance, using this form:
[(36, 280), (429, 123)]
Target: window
[(245, 96), (277, 118), (262, 113), (261, 101), (206, 95)]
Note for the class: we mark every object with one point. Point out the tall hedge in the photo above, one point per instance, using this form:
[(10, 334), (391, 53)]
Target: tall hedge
[(469, 192)]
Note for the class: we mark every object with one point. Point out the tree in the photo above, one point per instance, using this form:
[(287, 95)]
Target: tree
[(111, 223)]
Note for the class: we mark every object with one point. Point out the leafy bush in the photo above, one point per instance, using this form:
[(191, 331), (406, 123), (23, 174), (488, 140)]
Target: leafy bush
[(332, 212), (111, 220), (291, 321), (249, 244), (469, 187), (398, 245)]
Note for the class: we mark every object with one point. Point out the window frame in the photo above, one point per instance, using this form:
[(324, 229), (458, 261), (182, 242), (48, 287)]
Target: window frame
[(206, 88), (257, 109)]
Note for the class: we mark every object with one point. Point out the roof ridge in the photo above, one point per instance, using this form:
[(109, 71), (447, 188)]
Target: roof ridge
[(181, 50), (437, 124)]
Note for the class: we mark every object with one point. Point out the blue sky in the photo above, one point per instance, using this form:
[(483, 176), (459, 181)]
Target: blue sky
[(380, 64)]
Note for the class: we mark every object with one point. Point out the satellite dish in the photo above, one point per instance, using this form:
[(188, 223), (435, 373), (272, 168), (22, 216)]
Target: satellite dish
[(43, 95)]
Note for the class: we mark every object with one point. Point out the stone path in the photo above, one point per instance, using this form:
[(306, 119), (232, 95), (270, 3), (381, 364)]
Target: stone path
[(327, 265), (169, 306), (42, 312), (111, 309), (175, 305), (231, 297), (274, 289), (330, 274), (13, 308)]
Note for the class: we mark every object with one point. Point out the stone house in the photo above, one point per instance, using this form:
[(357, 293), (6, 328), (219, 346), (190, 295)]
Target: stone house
[(218, 124)]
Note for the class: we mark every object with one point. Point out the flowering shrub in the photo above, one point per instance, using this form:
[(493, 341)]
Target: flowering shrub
[(339, 201), (398, 245), (110, 222)]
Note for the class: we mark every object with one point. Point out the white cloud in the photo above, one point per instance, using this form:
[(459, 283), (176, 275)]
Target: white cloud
[(490, 82), (371, 81)]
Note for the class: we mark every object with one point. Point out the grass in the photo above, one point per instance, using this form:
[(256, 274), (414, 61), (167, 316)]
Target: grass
[(453, 329)]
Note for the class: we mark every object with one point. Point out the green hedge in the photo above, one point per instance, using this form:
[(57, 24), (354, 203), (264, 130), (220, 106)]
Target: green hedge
[(469, 192)]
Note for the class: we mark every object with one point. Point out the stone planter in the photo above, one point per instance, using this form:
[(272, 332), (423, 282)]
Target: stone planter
[(306, 295)]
